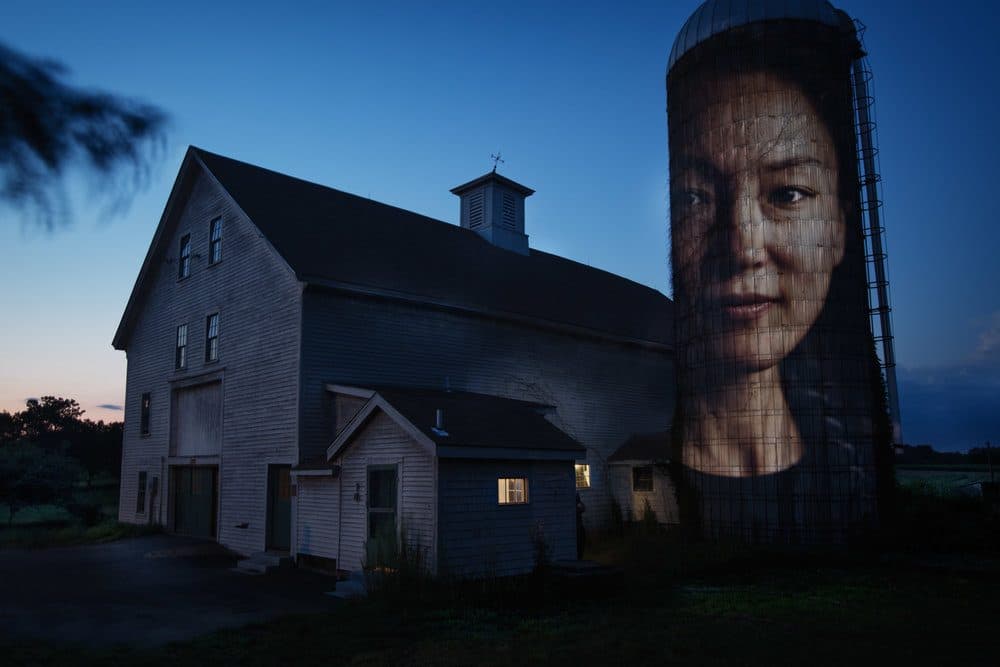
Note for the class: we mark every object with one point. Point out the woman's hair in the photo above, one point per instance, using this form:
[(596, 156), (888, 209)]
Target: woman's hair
[(822, 376)]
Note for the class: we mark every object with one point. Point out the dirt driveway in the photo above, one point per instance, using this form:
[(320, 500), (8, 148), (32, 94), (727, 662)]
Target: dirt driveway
[(143, 592)]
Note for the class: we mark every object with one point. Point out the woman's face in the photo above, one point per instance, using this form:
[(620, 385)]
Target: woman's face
[(757, 225)]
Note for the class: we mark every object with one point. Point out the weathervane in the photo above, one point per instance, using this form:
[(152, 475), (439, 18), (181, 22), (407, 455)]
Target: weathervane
[(497, 160)]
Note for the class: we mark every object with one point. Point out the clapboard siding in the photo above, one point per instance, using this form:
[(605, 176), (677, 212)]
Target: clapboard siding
[(317, 512), (479, 537), (259, 304), (382, 442), (662, 499), (605, 391)]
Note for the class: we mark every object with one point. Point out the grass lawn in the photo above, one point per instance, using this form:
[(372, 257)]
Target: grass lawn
[(708, 608), (53, 525)]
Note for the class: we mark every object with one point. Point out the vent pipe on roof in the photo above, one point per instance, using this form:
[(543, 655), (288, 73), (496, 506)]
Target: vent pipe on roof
[(438, 427)]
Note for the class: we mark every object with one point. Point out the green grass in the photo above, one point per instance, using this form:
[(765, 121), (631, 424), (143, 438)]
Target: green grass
[(42, 536), (677, 603), (797, 612)]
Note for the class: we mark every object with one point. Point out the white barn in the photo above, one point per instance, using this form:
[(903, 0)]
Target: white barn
[(261, 294)]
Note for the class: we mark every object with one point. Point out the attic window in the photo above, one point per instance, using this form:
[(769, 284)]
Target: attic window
[(184, 260), (476, 209), (512, 491), (215, 241), (507, 217)]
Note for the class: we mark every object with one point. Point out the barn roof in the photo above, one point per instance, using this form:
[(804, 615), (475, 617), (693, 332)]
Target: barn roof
[(644, 447), (329, 237), (471, 423)]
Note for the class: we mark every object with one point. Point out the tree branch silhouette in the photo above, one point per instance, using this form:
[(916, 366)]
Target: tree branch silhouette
[(48, 126)]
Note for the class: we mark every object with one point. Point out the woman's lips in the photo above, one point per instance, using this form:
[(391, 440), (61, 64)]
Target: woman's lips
[(746, 306)]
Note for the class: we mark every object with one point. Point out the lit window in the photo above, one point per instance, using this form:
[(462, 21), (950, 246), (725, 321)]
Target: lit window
[(215, 241), (642, 478), (184, 264), (180, 353), (512, 490), (582, 476), (212, 337), (140, 497), (144, 415)]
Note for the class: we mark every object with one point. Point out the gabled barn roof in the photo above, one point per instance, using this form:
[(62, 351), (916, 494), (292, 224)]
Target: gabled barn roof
[(651, 447), (473, 424), (334, 239)]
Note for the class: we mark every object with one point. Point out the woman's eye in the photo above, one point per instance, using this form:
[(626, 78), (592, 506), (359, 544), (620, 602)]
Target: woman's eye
[(692, 198), (788, 196)]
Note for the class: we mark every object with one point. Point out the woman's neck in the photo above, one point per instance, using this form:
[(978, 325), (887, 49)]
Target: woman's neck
[(742, 428)]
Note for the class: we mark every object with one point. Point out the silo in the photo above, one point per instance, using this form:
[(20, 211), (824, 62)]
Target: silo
[(781, 424)]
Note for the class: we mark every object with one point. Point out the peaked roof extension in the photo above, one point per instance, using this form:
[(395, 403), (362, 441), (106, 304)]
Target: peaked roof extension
[(654, 447), (338, 240), (473, 423)]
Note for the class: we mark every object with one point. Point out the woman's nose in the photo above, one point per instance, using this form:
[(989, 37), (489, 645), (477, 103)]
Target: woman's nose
[(743, 228)]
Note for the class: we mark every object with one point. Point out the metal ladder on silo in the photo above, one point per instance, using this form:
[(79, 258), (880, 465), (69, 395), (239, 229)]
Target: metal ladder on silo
[(879, 308)]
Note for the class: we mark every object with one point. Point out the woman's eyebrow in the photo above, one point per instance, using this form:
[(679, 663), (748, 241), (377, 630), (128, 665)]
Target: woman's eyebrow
[(699, 165), (789, 163)]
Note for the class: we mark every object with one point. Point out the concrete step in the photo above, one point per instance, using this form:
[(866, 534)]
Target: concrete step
[(351, 587), (263, 562)]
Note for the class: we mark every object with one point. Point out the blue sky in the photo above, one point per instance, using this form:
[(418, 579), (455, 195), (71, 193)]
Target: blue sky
[(402, 101)]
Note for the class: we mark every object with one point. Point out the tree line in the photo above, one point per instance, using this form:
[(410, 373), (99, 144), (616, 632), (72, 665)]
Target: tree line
[(48, 450)]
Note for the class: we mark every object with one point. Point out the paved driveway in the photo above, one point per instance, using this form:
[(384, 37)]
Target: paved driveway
[(143, 591)]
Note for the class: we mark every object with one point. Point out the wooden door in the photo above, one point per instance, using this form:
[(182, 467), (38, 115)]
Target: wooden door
[(195, 492), (279, 507)]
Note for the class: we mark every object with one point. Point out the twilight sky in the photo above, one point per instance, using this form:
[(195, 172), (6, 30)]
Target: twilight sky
[(402, 101)]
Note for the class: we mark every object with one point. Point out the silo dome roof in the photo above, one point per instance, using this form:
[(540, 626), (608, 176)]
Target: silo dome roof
[(717, 16)]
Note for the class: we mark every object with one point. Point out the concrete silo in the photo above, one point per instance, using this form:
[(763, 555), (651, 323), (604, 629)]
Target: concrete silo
[(778, 274)]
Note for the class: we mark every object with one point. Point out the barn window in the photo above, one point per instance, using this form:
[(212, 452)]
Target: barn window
[(212, 337), (642, 478), (140, 496), (144, 408), (512, 490), (215, 241), (582, 475), (180, 352), (184, 261)]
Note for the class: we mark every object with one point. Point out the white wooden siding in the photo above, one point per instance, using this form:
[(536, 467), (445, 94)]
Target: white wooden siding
[(317, 514), (605, 391), (479, 537), (259, 304), (382, 442), (662, 499)]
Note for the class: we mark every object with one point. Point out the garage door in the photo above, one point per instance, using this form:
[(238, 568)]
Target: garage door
[(195, 489)]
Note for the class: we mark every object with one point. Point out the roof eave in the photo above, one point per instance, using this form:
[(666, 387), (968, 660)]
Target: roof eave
[(120, 340)]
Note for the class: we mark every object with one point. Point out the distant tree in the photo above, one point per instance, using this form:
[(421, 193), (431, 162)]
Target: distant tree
[(97, 446), (57, 424), (10, 428), (44, 420), (47, 125), (32, 475)]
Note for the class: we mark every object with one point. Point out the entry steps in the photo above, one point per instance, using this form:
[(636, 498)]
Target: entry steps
[(263, 562)]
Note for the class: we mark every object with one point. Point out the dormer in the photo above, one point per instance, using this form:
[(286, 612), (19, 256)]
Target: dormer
[(493, 207)]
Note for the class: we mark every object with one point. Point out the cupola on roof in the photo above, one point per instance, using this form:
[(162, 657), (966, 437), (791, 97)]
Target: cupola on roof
[(714, 17)]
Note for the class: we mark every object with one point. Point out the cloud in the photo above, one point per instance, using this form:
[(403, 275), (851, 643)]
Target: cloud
[(989, 339), (111, 406)]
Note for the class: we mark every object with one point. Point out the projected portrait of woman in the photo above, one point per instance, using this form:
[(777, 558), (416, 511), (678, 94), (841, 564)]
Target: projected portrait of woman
[(776, 383)]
